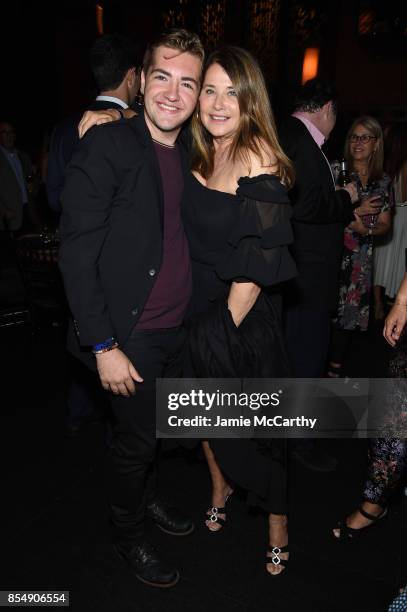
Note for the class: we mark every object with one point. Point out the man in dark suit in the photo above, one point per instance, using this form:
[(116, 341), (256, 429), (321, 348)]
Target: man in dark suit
[(126, 269), (114, 62), (320, 213), (15, 167)]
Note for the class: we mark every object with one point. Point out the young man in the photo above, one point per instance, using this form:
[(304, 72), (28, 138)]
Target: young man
[(126, 268), (115, 65)]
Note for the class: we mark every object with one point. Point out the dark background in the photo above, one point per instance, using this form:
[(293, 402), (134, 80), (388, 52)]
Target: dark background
[(363, 48), (56, 528)]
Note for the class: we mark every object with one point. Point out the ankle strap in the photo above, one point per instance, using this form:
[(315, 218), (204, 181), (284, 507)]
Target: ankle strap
[(283, 549), (276, 551), (372, 517), (216, 510)]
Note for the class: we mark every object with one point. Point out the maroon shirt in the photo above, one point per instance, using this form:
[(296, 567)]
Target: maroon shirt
[(170, 295)]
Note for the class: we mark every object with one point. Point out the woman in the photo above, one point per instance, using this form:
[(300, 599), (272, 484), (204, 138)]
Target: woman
[(364, 153), (236, 214), (236, 189), (390, 256), (387, 456)]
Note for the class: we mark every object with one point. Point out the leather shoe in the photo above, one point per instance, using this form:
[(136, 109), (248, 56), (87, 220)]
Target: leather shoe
[(169, 519), (315, 459), (147, 566)]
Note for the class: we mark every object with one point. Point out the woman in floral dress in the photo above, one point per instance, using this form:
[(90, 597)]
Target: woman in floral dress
[(364, 153), (387, 456)]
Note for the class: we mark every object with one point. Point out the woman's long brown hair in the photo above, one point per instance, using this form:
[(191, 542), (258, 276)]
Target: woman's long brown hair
[(256, 131)]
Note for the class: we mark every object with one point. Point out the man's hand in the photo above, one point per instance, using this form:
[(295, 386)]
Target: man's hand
[(369, 206), (98, 117), (352, 189), (394, 323), (117, 373), (91, 118)]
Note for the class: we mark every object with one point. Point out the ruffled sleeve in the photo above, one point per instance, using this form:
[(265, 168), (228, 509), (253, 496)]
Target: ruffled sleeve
[(258, 242)]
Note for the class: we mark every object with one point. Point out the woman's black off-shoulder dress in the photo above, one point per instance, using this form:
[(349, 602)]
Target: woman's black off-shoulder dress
[(242, 237)]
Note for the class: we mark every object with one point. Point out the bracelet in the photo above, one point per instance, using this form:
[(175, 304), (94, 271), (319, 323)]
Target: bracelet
[(104, 347), (121, 113), (106, 350)]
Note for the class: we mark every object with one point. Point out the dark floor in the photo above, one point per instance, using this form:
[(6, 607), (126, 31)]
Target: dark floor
[(57, 537)]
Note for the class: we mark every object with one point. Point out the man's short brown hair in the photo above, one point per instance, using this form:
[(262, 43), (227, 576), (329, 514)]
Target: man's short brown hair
[(178, 39)]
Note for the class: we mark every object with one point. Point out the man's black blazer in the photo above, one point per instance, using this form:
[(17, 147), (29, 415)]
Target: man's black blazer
[(11, 197), (319, 216), (111, 229), (64, 140)]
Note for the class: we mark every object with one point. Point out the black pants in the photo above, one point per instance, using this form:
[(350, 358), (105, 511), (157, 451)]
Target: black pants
[(86, 396), (307, 331), (132, 458), (340, 342)]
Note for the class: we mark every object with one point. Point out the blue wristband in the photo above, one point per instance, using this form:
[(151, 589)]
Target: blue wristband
[(108, 344)]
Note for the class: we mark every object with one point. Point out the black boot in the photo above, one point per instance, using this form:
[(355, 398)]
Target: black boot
[(169, 519), (147, 566)]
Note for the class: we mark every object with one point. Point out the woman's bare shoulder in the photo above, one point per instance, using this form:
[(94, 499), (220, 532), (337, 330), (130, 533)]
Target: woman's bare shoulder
[(265, 163)]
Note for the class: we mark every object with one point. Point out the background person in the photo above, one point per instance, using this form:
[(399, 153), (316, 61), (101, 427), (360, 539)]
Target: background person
[(390, 253), (114, 62), (364, 153), (387, 458), (15, 170), (320, 214)]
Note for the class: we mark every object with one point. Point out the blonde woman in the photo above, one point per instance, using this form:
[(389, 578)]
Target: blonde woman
[(364, 152)]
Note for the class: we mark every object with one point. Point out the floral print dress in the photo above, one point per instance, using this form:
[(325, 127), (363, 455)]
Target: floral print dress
[(388, 456), (356, 267)]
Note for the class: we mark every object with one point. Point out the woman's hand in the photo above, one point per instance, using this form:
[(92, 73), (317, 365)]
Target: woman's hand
[(395, 323), (383, 223), (98, 117), (242, 297), (358, 226)]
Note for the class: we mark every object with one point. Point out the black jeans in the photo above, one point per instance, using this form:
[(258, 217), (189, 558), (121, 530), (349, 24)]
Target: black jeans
[(132, 459)]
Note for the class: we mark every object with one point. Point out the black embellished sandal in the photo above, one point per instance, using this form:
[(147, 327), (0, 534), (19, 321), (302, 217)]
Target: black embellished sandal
[(349, 533), (212, 515), (275, 558)]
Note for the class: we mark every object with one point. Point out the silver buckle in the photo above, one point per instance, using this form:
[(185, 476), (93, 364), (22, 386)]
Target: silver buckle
[(214, 516), (276, 551)]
